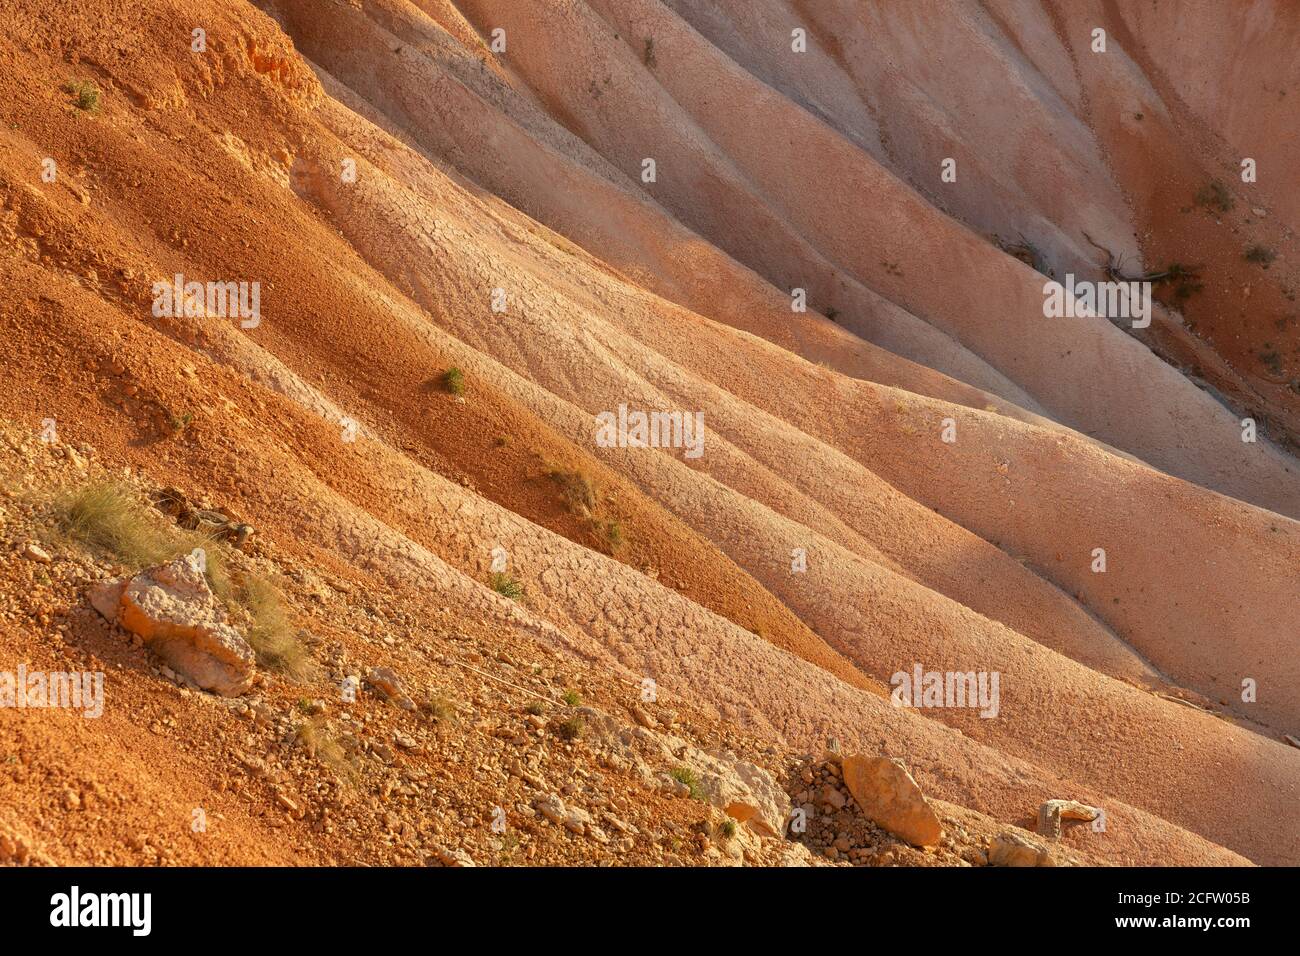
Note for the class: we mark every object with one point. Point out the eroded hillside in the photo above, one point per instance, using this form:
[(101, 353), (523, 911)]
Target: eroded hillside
[(461, 270)]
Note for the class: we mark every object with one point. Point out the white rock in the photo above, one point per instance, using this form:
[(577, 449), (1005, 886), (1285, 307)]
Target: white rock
[(172, 609), (34, 552)]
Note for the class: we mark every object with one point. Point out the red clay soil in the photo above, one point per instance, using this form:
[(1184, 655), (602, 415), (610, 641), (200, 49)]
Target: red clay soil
[(947, 460)]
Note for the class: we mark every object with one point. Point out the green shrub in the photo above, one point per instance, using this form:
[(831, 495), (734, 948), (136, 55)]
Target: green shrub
[(507, 586), (687, 776), (85, 93), (1214, 195), (439, 708), (269, 632), (577, 489)]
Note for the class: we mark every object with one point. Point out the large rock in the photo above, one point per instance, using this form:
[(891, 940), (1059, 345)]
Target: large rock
[(174, 611), (386, 682), (888, 795), (1052, 812), (742, 790), (1014, 849)]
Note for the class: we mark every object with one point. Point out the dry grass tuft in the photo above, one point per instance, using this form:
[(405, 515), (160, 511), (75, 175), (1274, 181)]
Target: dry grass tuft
[(112, 519), (109, 517)]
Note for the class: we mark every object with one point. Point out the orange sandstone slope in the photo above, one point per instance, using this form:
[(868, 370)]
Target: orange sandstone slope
[(410, 201)]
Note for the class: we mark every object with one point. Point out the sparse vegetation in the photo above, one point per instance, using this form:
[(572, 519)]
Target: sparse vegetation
[(570, 729), (582, 498), (614, 535), (438, 708), (1261, 255), (685, 775), (1271, 358), (536, 708), (269, 632), (577, 489), (85, 95), (454, 381), (506, 845), (1215, 196), (319, 743), (507, 586), (571, 698), (1185, 280), (727, 828), (110, 518)]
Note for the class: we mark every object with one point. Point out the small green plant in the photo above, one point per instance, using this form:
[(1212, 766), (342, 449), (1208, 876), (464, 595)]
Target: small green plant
[(685, 775), (85, 93), (570, 729), (582, 498), (454, 380), (1261, 255), (728, 829), (181, 422), (1214, 195), (571, 698), (536, 708), (507, 844), (507, 586)]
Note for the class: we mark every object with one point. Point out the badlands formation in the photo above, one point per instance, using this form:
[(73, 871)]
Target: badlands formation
[(392, 565)]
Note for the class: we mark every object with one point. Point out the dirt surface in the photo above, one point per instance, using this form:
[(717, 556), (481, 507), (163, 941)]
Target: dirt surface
[(920, 470)]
